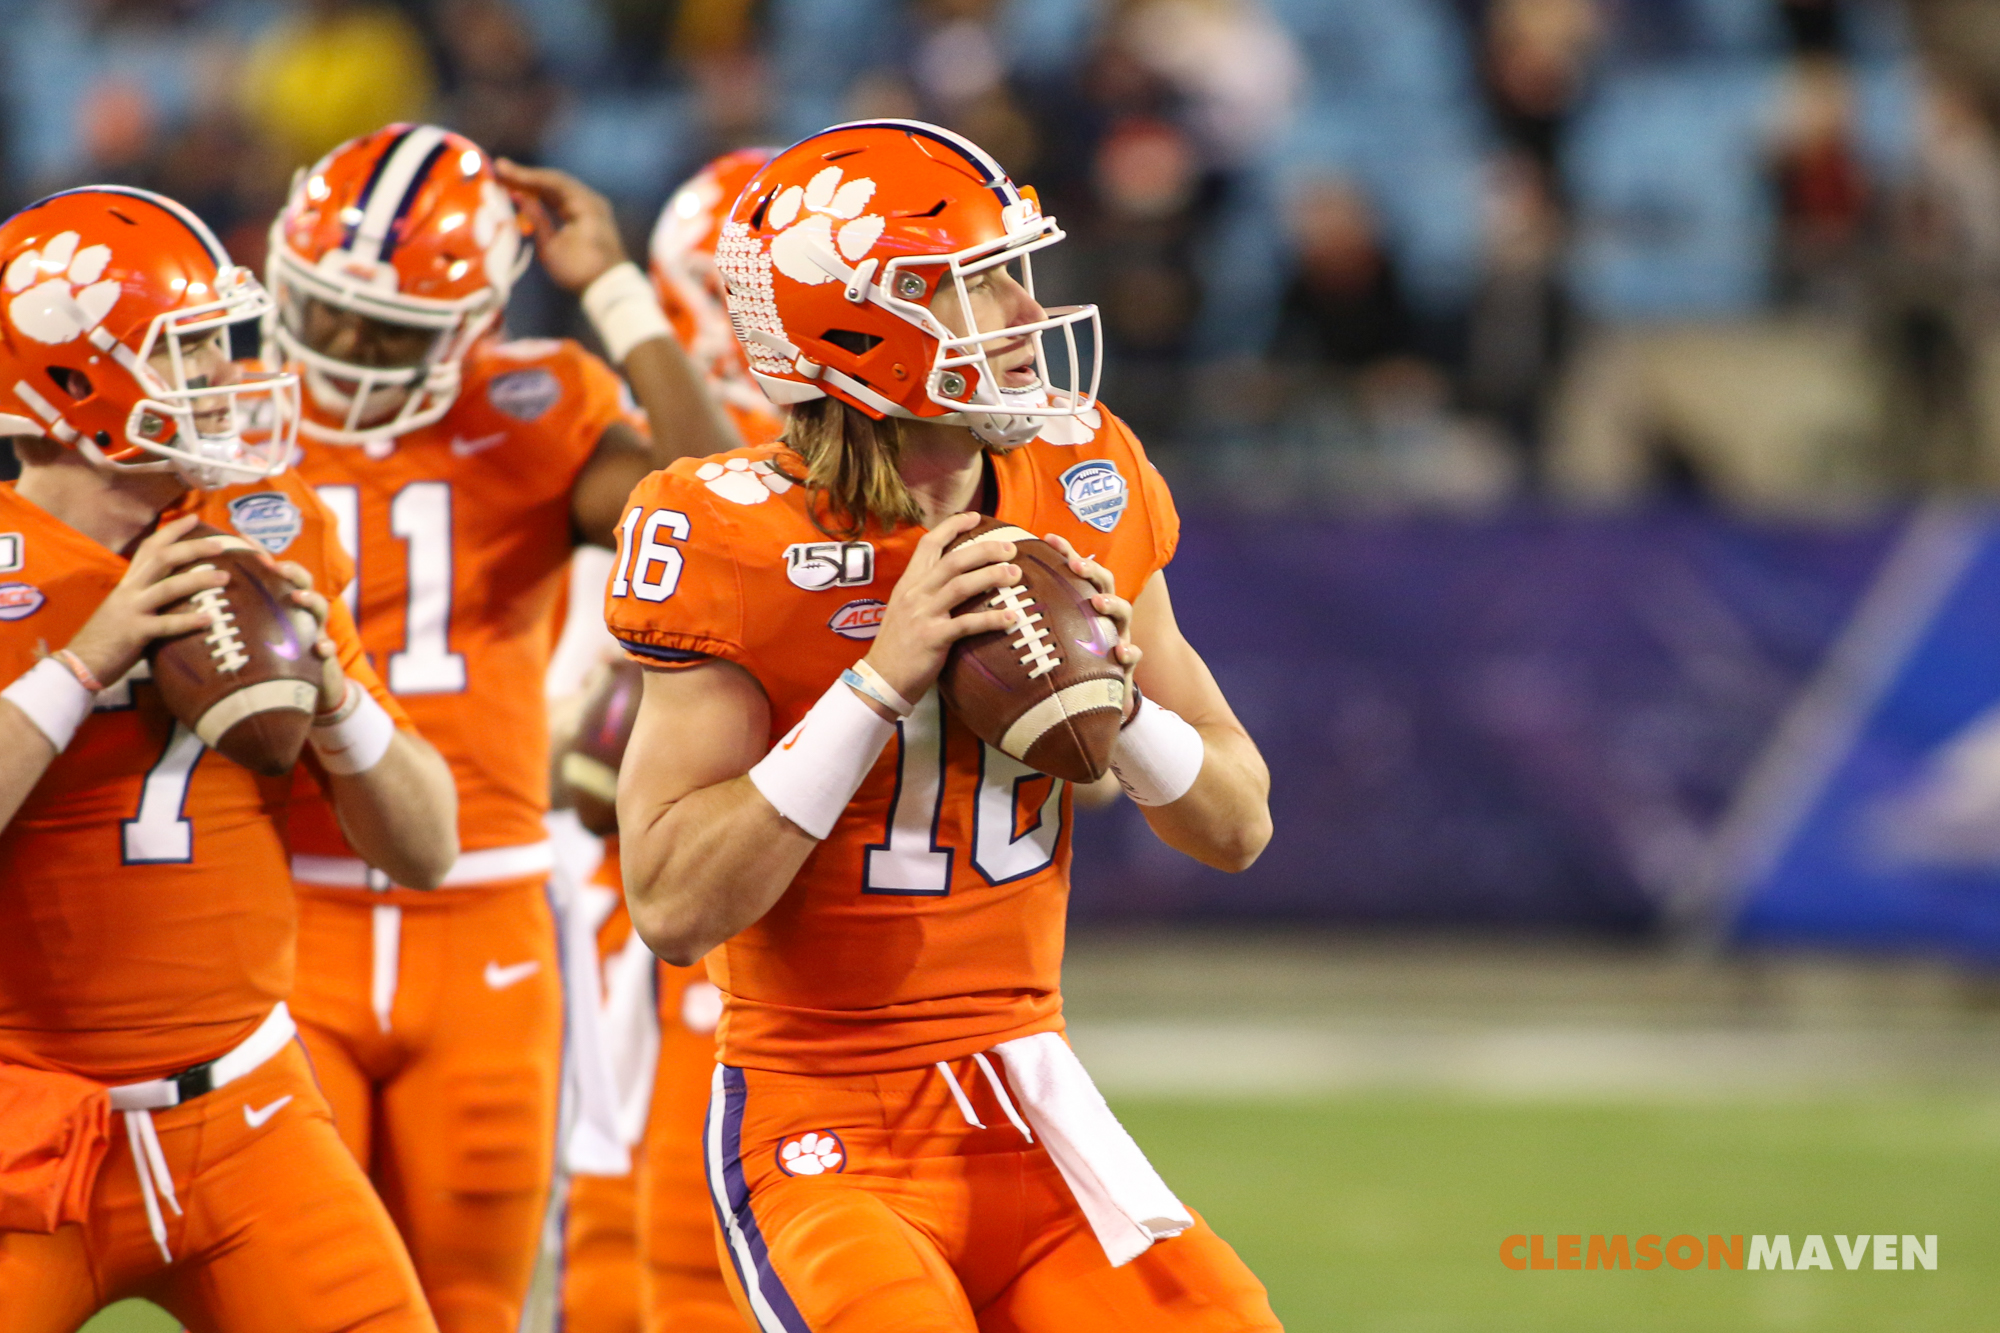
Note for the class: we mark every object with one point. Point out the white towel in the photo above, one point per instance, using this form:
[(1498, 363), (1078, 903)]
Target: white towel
[(1128, 1205), (592, 1145), (631, 1032)]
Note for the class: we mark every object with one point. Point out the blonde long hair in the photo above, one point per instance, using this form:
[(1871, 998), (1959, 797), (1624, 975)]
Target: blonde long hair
[(851, 460)]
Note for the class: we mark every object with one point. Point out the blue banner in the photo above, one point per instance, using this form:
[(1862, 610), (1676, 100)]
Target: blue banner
[(1534, 720), (1873, 819)]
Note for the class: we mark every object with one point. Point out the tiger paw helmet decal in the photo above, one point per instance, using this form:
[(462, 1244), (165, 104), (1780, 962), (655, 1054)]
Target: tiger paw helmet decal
[(69, 300), (803, 216)]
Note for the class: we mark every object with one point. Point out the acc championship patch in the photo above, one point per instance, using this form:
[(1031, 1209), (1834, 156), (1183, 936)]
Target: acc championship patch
[(861, 619), (18, 601), (524, 394), (268, 518), (1095, 493)]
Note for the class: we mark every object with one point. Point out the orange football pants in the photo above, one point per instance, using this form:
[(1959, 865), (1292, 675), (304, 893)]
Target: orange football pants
[(452, 1109), (899, 1216), (639, 1251), (278, 1229)]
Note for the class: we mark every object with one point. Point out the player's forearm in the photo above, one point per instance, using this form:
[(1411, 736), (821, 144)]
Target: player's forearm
[(25, 754), (401, 815), (705, 867), (1224, 819), (685, 419)]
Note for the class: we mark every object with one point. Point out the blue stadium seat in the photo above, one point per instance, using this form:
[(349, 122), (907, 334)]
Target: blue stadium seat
[(1674, 218)]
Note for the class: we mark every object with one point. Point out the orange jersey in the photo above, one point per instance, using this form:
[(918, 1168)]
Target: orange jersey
[(461, 531), (929, 924), (147, 920)]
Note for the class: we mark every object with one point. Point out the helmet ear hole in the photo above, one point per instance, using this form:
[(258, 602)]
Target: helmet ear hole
[(72, 382), (852, 341)]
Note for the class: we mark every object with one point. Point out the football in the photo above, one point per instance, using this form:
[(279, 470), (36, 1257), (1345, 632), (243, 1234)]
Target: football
[(589, 766), (1050, 694), (247, 685)]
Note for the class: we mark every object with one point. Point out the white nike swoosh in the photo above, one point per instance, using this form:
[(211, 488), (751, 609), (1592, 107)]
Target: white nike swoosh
[(256, 1119), (465, 448), (500, 978)]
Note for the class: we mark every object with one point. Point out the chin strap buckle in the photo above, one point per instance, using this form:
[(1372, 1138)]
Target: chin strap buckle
[(864, 274)]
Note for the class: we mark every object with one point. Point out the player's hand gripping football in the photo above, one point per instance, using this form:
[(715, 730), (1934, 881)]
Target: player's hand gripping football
[(332, 680), (111, 641), (1108, 604), (576, 234), (918, 627)]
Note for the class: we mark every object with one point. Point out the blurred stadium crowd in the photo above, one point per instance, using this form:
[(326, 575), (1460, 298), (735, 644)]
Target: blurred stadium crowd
[(1430, 251)]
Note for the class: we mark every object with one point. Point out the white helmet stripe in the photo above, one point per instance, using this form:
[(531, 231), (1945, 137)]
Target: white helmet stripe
[(396, 178)]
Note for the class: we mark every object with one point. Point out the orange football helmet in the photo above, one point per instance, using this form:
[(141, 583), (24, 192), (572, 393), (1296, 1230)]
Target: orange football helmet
[(834, 250), (95, 285), (682, 254), (399, 249)]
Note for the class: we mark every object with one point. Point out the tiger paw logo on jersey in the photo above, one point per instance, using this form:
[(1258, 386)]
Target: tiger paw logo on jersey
[(813, 1154), (742, 481), (69, 301), (804, 220)]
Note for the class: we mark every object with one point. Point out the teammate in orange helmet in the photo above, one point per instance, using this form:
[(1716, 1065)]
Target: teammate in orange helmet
[(147, 923), (898, 1136), (682, 255), (639, 1250), (463, 467)]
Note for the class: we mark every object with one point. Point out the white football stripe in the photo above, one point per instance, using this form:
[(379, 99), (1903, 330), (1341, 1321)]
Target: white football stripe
[(1086, 696), (592, 777), (301, 695)]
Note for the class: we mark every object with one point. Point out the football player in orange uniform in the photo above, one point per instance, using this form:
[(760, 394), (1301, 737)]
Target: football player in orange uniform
[(463, 467), (898, 1136), (617, 1273), (147, 923), (681, 258)]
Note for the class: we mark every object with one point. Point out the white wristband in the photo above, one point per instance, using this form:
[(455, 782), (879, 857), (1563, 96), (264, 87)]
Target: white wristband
[(357, 742), (811, 775), (624, 310), (1157, 755), (54, 700)]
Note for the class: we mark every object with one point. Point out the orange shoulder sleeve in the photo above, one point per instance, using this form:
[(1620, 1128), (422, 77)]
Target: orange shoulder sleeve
[(354, 661), (596, 397), (676, 593), (1161, 516)]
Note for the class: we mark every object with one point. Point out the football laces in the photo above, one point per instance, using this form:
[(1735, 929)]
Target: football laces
[(224, 637), (1038, 651)]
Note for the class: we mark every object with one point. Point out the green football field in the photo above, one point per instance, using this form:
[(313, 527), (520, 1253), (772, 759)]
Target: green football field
[(1385, 1215)]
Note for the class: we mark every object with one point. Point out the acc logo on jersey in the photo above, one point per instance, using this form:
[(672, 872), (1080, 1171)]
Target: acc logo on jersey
[(524, 394), (268, 518), (18, 601), (1095, 493), (858, 619), (13, 552), (816, 566), (812, 1154)]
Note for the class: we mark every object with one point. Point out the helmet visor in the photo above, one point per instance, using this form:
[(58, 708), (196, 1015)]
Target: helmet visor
[(211, 419)]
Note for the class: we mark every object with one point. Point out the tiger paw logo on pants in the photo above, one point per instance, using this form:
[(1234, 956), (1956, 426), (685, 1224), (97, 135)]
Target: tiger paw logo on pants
[(812, 1154), (68, 301), (823, 201)]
